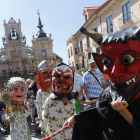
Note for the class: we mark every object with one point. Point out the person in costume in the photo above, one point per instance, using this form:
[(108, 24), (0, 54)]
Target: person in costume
[(59, 106), (117, 112), (43, 80), (17, 112)]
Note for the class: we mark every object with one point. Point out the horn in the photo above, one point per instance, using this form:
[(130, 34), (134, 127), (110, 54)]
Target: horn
[(94, 35)]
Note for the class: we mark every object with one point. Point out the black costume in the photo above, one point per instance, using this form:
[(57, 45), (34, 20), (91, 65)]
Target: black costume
[(91, 123)]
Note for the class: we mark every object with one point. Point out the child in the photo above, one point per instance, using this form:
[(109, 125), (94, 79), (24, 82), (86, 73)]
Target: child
[(77, 102)]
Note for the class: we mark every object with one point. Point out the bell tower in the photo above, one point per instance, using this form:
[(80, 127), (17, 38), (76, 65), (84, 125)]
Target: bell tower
[(14, 44)]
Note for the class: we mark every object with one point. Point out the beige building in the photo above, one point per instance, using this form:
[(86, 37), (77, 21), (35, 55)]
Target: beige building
[(113, 15), (18, 59)]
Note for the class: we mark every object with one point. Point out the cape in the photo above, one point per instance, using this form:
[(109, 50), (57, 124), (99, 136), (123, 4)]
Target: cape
[(103, 120)]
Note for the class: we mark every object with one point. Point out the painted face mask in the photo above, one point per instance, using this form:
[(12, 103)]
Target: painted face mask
[(18, 91), (43, 77), (62, 81), (17, 88), (120, 58), (43, 80)]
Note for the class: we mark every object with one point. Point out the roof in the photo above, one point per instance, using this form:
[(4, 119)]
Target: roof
[(95, 13)]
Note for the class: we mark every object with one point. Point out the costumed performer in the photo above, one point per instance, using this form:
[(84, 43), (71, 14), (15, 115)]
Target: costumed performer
[(59, 106), (43, 80), (17, 112), (117, 111)]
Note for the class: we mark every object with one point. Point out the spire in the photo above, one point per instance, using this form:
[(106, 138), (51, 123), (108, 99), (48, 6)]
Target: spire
[(40, 26), (40, 33)]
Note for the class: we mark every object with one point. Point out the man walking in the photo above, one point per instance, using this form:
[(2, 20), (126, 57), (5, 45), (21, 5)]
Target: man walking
[(93, 82)]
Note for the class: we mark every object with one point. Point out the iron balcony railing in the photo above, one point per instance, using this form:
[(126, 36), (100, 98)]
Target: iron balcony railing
[(128, 17), (17, 73)]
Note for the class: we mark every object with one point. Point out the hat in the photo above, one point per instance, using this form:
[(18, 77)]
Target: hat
[(91, 61)]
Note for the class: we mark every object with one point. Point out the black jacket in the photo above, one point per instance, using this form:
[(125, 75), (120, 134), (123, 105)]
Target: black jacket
[(92, 123)]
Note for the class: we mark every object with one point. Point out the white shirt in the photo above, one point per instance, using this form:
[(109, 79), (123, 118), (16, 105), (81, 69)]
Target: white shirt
[(77, 82)]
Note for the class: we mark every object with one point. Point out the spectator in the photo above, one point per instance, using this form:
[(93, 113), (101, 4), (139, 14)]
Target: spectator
[(29, 109), (29, 91), (3, 117), (77, 102), (33, 86), (78, 85), (93, 82)]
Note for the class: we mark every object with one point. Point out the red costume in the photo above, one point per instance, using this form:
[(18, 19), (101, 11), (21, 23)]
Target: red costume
[(43, 80), (59, 105), (120, 59)]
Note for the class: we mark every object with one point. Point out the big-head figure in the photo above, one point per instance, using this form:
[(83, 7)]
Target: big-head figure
[(17, 88), (120, 59), (117, 109), (43, 77), (62, 81)]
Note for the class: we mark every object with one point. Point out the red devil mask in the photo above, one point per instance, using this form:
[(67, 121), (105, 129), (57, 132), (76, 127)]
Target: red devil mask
[(43, 79), (18, 91), (120, 59), (62, 81)]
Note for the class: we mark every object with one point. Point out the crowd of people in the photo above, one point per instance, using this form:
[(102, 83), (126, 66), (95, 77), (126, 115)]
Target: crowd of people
[(39, 90), (94, 105)]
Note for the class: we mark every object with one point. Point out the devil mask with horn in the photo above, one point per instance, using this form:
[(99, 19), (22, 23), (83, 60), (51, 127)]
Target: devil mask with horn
[(43, 77), (120, 59), (62, 82)]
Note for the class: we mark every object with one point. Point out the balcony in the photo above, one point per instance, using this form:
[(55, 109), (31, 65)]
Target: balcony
[(80, 51), (17, 74), (95, 44), (128, 20), (87, 47), (108, 29), (83, 67)]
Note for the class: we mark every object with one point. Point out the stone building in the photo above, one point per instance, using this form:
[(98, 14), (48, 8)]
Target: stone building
[(18, 59)]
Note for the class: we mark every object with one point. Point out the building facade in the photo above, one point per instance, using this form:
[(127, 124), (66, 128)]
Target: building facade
[(18, 59), (113, 15)]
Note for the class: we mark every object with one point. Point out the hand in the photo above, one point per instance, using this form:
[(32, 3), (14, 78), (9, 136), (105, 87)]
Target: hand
[(119, 105), (87, 99), (65, 101), (69, 122)]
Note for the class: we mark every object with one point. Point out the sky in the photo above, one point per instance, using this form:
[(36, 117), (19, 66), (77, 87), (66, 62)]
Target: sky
[(61, 18)]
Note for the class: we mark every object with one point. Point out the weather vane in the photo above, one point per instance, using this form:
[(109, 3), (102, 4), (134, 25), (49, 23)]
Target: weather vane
[(38, 11)]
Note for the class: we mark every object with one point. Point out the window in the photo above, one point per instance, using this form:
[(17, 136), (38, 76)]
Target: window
[(81, 46), (58, 59), (75, 50), (71, 52), (126, 13), (98, 50), (77, 66), (109, 24), (85, 17), (43, 53), (89, 55), (88, 43), (72, 64), (83, 63), (95, 30)]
